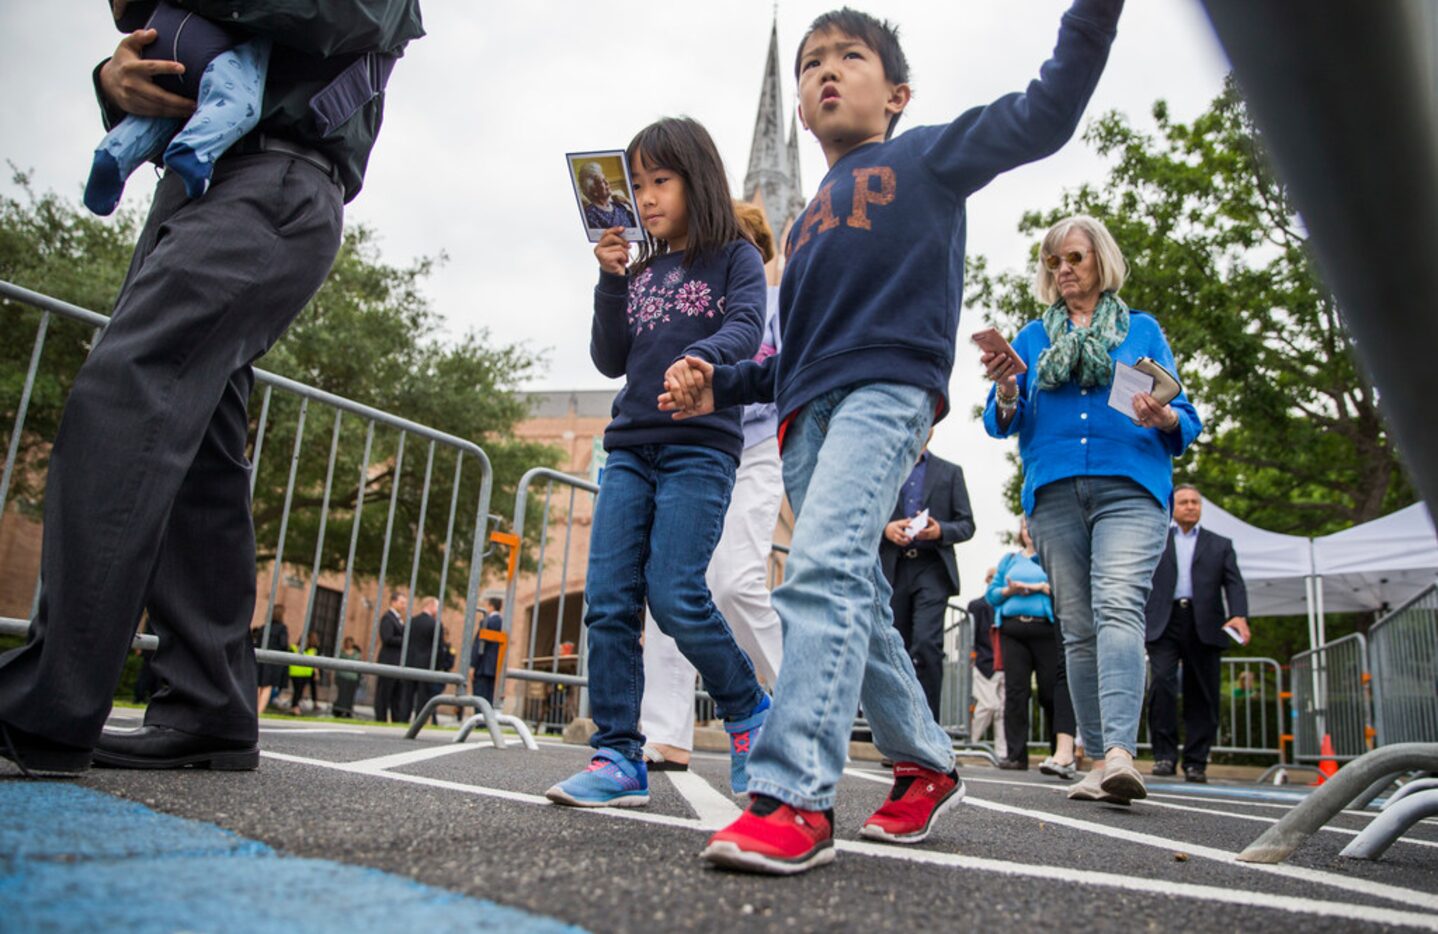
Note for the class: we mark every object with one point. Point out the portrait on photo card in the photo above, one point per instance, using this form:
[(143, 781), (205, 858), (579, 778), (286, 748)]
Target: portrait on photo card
[(604, 191)]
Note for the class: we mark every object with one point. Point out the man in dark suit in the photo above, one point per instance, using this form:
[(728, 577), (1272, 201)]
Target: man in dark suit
[(423, 630), (484, 656), (1188, 621), (921, 567), (391, 640)]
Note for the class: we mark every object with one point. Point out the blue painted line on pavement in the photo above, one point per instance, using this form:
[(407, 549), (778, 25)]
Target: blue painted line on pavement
[(75, 859)]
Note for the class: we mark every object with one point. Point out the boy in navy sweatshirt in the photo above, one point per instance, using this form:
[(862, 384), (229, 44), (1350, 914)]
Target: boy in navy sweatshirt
[(870, 304)]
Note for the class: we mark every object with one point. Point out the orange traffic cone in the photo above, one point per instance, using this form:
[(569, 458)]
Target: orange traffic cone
[(1327, 760)]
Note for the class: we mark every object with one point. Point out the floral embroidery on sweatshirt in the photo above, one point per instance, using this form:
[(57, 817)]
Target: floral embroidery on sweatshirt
[(651, 302)]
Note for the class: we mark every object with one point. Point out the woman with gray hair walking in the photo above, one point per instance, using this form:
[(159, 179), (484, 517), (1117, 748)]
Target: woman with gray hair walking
[(1097, 481)]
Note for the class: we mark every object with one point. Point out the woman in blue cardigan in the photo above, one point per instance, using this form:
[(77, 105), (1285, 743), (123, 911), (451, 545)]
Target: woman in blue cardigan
[(1097, 482)]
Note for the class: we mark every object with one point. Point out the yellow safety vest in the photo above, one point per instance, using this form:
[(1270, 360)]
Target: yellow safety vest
[(300, 671)]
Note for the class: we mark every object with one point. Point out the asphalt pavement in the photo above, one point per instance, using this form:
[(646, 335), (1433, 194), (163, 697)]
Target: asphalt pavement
[(470, 821)]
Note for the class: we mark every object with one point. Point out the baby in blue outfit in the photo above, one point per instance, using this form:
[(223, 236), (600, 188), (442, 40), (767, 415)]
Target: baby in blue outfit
[(227, 95)]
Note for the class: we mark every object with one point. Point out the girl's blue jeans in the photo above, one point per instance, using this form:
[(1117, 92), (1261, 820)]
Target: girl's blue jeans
[(1100, 539), (656, 522), (846, 454)]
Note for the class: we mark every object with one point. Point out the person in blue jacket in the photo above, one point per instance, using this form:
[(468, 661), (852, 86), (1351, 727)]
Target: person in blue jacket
[(1097, 480)]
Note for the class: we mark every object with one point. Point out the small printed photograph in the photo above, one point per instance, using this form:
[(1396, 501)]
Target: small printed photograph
[(605, 193)]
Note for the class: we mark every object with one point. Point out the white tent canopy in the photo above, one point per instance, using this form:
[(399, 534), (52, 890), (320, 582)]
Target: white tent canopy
[(1373, 566)]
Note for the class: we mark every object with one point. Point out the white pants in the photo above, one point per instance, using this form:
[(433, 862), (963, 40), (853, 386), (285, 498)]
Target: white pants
[(738, 579), (989, 709)]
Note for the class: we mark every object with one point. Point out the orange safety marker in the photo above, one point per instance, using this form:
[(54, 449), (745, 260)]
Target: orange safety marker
[(1327, 760), (511, 541)]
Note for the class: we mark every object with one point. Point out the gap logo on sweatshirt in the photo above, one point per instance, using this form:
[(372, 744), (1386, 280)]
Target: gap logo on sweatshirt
[(874, 185)]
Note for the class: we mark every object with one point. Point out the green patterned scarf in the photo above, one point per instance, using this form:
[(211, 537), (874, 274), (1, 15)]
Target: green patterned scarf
[(1082, 353)]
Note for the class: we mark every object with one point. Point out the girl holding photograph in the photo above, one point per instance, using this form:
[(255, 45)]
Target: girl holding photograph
[(696, 288)]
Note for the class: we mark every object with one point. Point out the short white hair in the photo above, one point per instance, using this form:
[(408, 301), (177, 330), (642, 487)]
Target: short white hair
[(1112, 268), (588, 172)]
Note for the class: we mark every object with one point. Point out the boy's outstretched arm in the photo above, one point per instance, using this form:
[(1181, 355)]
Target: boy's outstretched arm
[(1020, 128)]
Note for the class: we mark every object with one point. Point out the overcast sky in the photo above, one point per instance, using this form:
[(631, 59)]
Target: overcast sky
[(481, 111)]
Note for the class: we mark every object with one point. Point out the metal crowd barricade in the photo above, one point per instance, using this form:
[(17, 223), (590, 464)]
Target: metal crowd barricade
[(559, 679), (956, 693), (1250, 711), (311, 402), (1330, 688), (1403, 655)]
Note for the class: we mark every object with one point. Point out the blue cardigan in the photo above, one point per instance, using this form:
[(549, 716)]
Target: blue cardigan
[(1072, 432)]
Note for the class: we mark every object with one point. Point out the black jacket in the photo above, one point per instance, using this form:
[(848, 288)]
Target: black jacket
[(1215, 576), (314, 42), (422, 633), (391, 638), (982, 616), (947, 499)]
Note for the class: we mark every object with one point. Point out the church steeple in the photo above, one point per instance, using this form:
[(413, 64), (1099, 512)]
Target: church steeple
[(773, 178)]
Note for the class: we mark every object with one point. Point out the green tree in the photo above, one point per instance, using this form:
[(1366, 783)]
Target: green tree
[(369, 335), (1293, 436)]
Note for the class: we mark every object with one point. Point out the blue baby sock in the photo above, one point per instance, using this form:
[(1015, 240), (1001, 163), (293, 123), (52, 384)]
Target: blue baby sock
[(106, 184), (194, 171)]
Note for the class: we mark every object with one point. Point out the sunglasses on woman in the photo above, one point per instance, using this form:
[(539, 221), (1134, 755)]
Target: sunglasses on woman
[(1054, 260)]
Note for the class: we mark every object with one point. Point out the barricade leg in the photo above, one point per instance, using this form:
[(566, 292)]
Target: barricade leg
[(1387, 827), (1411, 788), (1278, 842)]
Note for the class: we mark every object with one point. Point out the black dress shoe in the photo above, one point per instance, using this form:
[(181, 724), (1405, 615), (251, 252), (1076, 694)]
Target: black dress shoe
[(159, 747), (1014, 765), (1196, 774), (38, 757), (1163, 767)]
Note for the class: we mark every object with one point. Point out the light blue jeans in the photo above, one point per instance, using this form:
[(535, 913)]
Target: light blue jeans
[(851, 448), (1100, 539)]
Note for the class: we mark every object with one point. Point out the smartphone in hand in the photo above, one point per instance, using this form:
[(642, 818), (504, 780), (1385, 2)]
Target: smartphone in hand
[(990, 340)]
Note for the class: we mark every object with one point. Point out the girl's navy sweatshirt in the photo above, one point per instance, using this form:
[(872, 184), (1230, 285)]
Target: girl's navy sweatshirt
[(644, 322), (875, 273)]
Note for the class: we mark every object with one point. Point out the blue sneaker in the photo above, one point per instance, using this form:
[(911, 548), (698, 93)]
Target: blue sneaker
[(611, 781), (742, 734)]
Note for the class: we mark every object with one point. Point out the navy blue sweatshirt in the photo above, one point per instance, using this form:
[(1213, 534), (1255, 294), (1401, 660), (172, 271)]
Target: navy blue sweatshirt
[(875, 274), (644, 322)]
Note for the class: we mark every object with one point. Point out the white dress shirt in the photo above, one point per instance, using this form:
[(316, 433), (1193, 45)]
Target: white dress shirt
[(1184, 544)]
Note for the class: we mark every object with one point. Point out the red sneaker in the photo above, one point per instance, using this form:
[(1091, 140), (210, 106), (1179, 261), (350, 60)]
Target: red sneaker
[(919, 796), (775, 838)]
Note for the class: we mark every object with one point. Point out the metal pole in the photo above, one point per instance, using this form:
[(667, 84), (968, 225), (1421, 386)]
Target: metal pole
[(285, 515), (444, 569), (12, 453), (384, 553), (320, 538), (260, 442), (1391, 824), (354, 531), (418, 547)]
